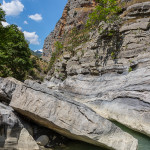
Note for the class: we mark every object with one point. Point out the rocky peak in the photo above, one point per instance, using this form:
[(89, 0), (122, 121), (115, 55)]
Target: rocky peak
[(74, 15)]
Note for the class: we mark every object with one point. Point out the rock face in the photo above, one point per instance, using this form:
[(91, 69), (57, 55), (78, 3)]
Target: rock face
[(13, 134), (54, 110), (100, 55), (123, 98), (74, 15), (110, 74)]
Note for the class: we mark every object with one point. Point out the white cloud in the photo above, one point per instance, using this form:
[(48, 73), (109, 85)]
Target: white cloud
[(25, 22), (36, 17), (32, 37), (13, 8), (40, 50), (20, 28), (5, 24)]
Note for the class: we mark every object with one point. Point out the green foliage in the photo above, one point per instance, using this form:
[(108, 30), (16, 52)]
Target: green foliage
[(62, 76), (106, 11), (113, 55), (58, 46), (35, 63), (35, 74), (2, 15), (130, 69), (77, 37), (14, 53), (55, 54), (39, 70)]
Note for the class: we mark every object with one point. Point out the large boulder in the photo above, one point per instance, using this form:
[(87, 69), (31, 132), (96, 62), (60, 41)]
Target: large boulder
[(13, 134), (54, 110), (7, 87)]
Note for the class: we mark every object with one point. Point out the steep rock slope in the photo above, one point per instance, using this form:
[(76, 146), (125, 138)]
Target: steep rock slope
[(116, 53), (74, 15)]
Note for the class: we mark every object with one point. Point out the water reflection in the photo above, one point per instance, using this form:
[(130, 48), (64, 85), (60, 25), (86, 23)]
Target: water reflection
[(77, 145), (143, 140)]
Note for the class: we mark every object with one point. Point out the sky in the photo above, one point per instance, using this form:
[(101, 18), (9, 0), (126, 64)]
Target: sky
[(35, 18)]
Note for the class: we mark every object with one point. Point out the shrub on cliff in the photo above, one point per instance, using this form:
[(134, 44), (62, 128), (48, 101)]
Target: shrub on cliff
[(106, 10), (14, 51), (55, 54), (39, 70)]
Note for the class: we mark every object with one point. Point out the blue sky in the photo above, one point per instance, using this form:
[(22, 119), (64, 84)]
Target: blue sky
[(36, 18)]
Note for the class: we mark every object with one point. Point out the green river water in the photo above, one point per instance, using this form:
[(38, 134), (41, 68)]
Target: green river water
[(143, 142)]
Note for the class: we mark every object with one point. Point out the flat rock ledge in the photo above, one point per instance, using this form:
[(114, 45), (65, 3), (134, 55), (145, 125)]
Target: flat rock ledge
[(54, 110)]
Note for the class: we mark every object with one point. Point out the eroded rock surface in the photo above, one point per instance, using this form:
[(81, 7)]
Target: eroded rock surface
[(54, 110)]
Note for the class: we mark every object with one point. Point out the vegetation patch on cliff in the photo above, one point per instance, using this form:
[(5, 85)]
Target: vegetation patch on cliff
[(106, 11), (55, 54)]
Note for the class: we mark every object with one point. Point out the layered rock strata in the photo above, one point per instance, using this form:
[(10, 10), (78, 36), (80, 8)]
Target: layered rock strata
[(117, 53), (108, 76)]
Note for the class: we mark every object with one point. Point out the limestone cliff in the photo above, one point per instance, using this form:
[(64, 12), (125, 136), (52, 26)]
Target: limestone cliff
[(103, 52), (74, 15)]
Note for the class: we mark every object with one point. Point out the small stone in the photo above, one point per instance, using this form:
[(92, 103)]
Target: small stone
[(42, 140)]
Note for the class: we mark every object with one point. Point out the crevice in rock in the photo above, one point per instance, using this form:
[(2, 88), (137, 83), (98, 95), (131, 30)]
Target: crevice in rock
[(85, 115)]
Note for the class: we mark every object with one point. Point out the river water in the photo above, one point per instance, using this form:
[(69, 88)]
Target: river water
[(143, 142), (76, 145)]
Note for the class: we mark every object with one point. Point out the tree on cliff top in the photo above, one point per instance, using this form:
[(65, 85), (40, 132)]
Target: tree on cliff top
[(2, 15), (14, 51)]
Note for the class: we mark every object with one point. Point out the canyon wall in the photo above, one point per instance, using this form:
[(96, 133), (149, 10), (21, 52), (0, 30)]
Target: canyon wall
[(74, 15)]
